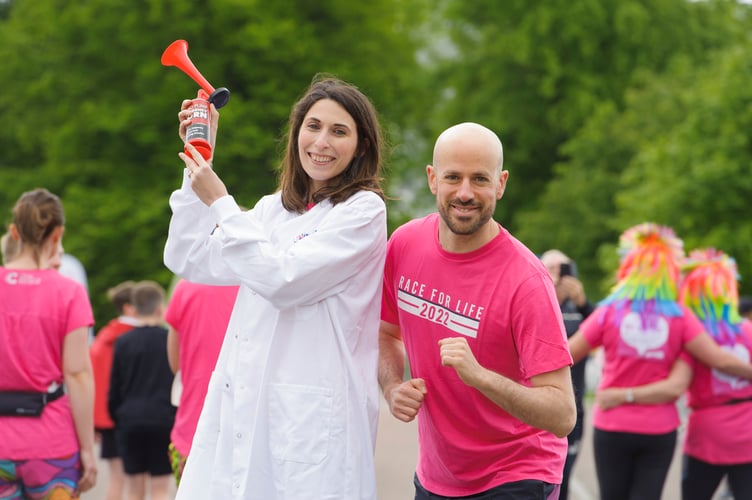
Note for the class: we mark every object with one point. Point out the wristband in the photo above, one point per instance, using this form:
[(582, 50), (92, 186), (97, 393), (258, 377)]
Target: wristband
[(629, 397)]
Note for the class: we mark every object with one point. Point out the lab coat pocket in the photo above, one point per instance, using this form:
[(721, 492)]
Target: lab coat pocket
[(300, 420)]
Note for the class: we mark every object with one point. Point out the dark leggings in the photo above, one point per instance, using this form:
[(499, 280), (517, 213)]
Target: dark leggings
[(701, 479), (632, 466), (528, 489)]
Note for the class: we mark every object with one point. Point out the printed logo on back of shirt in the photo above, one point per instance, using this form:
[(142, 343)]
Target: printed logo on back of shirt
[(643, 337), (16, 278), (723, 383)]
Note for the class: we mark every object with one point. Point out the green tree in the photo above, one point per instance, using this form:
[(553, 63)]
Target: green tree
[(696, 176), (91, 114), (678, 154), (536, 72)]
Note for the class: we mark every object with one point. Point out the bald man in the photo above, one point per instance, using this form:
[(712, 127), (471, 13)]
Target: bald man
[(477, 315)]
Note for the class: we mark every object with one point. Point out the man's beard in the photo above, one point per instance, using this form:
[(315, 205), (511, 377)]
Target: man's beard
[(465, 227)]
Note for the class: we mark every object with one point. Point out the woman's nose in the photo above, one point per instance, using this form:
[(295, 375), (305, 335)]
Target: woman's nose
[(322, 140)]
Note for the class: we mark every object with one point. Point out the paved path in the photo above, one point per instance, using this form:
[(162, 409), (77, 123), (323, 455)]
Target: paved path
[(396, 451)]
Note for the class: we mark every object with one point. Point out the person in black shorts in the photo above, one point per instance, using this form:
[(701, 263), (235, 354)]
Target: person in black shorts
[(139, 397)]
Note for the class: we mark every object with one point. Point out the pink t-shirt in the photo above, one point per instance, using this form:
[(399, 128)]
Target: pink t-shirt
[(718, 432), (38, 308), (636, 353), (199, 314), (501, 299)]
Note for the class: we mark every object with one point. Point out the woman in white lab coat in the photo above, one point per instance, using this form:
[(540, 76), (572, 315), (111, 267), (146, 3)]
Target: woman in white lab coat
[(292, 407)]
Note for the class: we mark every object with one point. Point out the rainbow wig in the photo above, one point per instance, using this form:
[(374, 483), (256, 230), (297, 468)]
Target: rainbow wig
[(710, 290), (649, 271)]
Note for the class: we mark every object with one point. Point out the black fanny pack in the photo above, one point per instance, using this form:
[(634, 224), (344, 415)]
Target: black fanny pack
[(26, 404)]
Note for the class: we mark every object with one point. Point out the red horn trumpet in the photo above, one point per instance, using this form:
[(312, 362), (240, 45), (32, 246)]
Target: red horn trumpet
[(176, 54)]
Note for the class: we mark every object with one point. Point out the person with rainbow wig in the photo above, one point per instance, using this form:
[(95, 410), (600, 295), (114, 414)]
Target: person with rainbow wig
[(718, 440), (643, 329)]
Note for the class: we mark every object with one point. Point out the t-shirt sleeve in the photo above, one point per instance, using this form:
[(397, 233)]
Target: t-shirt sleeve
[(175, 305), (79, 310), (692, 326), (592, 327), (389, 311), (539, 330)]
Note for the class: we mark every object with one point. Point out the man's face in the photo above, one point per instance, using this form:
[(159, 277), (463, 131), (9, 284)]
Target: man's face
[(466, 192)]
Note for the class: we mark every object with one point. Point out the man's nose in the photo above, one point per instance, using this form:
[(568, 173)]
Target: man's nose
[(465, 190)]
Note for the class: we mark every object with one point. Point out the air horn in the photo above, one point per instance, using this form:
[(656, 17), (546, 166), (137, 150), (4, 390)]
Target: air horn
[(176, 54), (199, 131)]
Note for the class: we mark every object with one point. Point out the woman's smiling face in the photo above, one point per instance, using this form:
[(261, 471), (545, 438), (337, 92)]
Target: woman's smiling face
[(327, 142)]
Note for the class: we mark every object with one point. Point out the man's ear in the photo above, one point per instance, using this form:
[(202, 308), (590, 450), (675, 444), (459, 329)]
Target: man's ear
[(502, 184), (432, 181), (129, 309)]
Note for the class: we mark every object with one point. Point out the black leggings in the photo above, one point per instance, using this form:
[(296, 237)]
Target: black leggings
[(527, 489), (701, 479), (632, 466)]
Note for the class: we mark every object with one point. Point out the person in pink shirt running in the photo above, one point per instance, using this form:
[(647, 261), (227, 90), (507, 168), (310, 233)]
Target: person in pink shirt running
[(643, 330), (477, 314), (198, 316), (46, 381)]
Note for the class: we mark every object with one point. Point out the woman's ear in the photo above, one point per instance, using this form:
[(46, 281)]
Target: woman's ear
[(13, 230), (56, 236)]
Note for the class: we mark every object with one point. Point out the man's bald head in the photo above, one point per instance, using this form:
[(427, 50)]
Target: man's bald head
[(468, 139)]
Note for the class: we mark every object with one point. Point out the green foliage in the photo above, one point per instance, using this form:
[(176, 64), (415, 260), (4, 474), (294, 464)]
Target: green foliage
[(91, 114), (577, 210), (612, 112), (678, 154), (696, 176), (536, 72)]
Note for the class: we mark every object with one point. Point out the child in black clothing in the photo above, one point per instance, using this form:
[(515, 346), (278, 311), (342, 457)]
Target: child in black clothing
[(139, 397)]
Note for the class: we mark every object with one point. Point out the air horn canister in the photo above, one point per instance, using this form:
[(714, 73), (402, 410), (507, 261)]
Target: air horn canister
[(197, 133)]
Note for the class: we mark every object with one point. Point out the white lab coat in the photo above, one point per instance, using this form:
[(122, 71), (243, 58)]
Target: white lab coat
[(292, 407)]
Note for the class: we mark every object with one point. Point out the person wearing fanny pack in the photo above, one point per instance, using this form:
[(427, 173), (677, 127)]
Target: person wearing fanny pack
[(46, 431)]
